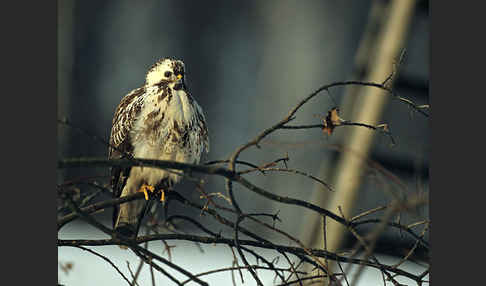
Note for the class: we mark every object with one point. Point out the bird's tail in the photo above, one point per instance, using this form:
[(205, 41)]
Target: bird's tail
[(130, 217)]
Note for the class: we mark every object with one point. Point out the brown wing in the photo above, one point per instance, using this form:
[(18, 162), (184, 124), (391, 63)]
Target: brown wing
[(120, 144), (202, 128)]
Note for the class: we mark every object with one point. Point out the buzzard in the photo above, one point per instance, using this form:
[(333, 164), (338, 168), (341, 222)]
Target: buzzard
[(159, 120)]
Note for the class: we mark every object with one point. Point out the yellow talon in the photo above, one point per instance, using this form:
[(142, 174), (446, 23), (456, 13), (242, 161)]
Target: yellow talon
[(144, 189), (148, 188), (162, 195)]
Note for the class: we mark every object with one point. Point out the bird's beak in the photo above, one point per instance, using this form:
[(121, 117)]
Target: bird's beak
[(180, 78), (180, 82), (176, 78)]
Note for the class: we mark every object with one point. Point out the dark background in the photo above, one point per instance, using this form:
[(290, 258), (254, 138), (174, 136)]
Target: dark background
[(247, 64)]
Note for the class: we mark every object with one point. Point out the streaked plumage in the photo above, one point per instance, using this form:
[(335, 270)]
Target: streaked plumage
[(160, 120)]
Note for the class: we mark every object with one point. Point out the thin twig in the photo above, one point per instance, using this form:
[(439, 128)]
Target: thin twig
[(107, 260), (239, 268), (410, 252), (326, 185), (134, 280)]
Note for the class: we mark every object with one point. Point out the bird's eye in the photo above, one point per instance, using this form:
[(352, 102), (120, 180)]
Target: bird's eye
[(167, 74)]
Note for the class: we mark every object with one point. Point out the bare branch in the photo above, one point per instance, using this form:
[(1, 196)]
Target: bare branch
[(227, 241)]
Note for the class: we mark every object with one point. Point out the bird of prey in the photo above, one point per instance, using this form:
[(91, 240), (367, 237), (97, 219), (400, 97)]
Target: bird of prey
[(159, 120)]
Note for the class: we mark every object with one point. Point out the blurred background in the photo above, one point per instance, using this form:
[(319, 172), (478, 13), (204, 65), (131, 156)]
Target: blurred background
[(248, 63)]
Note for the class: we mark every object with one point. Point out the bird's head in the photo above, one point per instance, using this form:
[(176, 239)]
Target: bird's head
[(166, 71)]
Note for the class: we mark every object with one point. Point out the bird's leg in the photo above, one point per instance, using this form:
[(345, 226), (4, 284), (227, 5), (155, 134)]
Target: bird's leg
[(144, 188), (162, 195), (163, 187)]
